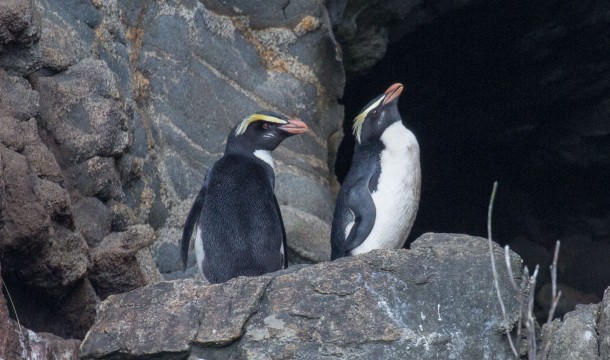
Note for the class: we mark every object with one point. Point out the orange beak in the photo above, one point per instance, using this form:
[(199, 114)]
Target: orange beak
[(392, 93), (294, 127)]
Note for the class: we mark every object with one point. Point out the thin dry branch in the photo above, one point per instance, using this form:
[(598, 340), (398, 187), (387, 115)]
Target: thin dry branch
[(555, 295), (530, 324), (10, 299), (495, 272)]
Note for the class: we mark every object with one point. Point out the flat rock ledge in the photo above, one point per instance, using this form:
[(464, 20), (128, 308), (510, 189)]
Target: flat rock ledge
[(434, 301)]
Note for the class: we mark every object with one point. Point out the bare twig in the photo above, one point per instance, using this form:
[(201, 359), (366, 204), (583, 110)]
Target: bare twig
[(10, 299), (530, 323), (509, 268), (495, 272), (555, 295)]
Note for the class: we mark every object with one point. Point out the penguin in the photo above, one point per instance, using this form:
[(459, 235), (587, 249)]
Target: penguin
[(379, 197), (239, 227)]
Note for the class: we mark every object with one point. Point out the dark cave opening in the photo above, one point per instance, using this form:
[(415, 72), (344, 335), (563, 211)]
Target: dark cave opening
[(481, 98)]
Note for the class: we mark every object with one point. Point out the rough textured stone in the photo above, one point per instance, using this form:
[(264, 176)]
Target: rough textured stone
[(582, 334), (575, 337), (92, 219), (115, 268), (56, 256), (291, 67), (435, 301), (19, 23), (17, 99), (97, 177), (78, 309), (180, 306), (81, 109), (62, 39)]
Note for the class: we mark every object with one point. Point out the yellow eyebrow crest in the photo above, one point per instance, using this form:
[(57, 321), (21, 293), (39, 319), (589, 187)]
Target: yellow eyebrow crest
[(359, 120), (257, 117)]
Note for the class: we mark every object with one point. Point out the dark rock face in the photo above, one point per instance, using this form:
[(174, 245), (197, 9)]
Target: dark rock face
[(423, 303), (365, 29), (17, 342)]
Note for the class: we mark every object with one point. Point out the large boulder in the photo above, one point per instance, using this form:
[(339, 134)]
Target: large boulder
[(435, 301)]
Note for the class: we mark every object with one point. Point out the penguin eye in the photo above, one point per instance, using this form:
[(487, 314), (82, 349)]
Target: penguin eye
[(375, 114), (266, 126)]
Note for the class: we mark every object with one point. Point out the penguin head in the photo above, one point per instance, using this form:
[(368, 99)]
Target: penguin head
[(378, 115), (263, 130)]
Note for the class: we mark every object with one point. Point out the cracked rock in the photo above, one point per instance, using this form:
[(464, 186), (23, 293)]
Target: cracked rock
[(116, 268), (435, 301)]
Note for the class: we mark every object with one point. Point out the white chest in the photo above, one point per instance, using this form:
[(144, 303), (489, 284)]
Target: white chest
[(397, 196)]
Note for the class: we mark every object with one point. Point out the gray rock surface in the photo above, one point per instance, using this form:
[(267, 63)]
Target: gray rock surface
[(575, 337), (435, 301), (582, 334)]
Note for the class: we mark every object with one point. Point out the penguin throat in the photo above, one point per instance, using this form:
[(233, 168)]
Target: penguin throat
[(265, 155)]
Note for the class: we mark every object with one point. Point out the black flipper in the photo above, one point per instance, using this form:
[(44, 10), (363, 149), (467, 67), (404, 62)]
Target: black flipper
[(360, 202), (279, 213), (189, 224)]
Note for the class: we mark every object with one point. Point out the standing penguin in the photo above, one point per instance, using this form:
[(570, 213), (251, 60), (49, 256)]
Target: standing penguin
[(379, 197), (239, 225)]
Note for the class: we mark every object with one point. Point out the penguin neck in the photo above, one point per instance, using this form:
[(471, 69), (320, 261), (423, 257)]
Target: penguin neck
[(397, 137), (265, 155), (259, 154)]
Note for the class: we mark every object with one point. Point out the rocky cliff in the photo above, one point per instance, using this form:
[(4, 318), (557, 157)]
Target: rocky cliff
[(110, 114)]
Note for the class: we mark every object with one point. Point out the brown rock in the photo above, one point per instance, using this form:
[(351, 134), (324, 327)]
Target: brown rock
[(23, 216), (179, 305), (115, 267)]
